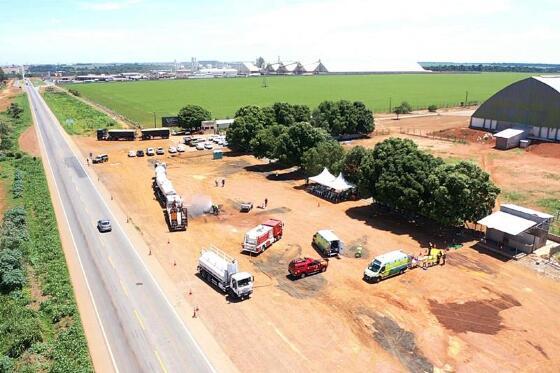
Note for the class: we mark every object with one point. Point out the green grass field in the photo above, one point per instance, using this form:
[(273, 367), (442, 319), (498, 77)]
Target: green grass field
[(76, 117), (139, 100)]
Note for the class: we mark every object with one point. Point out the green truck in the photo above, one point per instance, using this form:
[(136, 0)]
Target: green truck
[(327, 243), (390, 264)]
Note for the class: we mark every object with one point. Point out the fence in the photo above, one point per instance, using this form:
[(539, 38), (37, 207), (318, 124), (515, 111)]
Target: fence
[(429, 134)]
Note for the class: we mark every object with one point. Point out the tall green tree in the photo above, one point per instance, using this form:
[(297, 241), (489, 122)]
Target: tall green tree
[(327, 154), (191, 116), (461, 192), (343, 117), (240, 134), (288, 114), (2, 75), (265, 142), (260, 62), (400, 173), (260, 117), (296, 140)]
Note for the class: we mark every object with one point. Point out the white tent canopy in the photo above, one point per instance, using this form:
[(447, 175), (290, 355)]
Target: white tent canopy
[(327, 179), (324, 178), (340, 184)]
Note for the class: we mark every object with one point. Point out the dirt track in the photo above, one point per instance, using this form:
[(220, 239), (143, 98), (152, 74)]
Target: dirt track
[(478, 313)]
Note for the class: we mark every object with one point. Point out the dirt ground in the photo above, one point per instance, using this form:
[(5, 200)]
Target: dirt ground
[(7, 94), (28, 142), (477, 313)]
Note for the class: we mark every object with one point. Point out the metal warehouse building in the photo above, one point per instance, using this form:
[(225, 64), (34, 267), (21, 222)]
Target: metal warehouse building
[(531, 105)]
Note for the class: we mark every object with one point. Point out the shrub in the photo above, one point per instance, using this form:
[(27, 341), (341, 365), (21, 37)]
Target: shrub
[(432, 108)]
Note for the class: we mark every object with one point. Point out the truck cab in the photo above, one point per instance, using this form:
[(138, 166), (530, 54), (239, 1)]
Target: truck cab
[(242, 284), (387, 265), (328, 243)]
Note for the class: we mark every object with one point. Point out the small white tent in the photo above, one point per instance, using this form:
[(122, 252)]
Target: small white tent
[(324, 178), (340, 184)]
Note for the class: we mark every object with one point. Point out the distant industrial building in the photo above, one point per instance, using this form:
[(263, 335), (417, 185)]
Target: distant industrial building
[(527, 109), (247, 68)]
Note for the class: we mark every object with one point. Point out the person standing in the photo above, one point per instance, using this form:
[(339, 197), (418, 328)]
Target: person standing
[(223, 182), (265, 202)]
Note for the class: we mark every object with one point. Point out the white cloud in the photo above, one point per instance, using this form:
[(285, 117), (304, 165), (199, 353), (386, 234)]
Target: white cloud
[(109, 5)]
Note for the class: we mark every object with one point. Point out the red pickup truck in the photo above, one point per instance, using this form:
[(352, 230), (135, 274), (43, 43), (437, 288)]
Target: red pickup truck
[(302, 267)]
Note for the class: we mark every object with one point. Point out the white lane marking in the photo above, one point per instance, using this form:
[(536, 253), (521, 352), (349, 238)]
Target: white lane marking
[(111, 261), (173, 310), (73, 240)]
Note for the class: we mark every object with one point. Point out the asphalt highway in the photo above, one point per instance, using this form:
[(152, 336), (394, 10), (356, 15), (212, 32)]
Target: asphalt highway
[(142, 330)]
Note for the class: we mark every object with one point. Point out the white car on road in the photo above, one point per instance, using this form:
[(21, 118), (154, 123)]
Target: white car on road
[(208, 145), (200, 146), (181, 148), (172, 150), (132, 153), (150, 151)]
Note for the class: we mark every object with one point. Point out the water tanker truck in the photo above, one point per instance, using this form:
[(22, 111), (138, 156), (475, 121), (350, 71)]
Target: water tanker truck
[(221, 270), (262, 236), (176, 214)]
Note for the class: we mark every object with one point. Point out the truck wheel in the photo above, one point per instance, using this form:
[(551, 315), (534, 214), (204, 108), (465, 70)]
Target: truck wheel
[(323, 269), (302, 275), (401, 271)]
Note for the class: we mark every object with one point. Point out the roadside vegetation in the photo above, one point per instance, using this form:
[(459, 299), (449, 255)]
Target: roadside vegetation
[(76, 117), (40, 328), (138, 101)]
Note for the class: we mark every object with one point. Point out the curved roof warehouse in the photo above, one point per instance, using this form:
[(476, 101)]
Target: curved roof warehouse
[(531, 105)]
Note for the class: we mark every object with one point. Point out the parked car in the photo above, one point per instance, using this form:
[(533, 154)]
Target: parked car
[(200, 146), (246, 206), (225, 143), (140, 153), (172, 150), (302, 267), (187, 139), (104, 225), (101, 158), (181, 148), (132, 153), (208, 145), (160, 151), (150, 152)]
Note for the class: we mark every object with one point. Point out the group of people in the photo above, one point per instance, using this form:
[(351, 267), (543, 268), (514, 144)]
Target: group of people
[(218, 182), (330, 194)]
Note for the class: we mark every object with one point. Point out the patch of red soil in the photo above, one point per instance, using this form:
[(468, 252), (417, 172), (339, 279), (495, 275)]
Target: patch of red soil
[(550, 150), (28, 142), (466, 134)]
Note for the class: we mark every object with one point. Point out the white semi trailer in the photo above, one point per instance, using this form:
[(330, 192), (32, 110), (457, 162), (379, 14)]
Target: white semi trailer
[(176, 214), (221, 270)]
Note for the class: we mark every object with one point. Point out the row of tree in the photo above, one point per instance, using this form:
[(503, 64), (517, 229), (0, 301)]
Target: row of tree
[(285, 132), (337, 118), (399, 175)]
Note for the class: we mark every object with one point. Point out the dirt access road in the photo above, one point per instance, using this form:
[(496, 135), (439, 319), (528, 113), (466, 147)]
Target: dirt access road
[(478, 313)]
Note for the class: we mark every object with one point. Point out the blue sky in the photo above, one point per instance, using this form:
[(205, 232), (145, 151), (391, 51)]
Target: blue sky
[(338, 32)]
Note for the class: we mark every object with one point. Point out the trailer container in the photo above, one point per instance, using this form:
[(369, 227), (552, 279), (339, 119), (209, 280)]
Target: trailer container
[(152, 133)]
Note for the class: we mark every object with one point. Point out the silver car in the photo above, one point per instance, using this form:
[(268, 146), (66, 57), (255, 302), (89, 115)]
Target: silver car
[(104, 225)]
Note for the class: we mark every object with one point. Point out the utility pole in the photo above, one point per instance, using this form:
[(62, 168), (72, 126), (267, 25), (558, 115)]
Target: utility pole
[(466, 97)]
